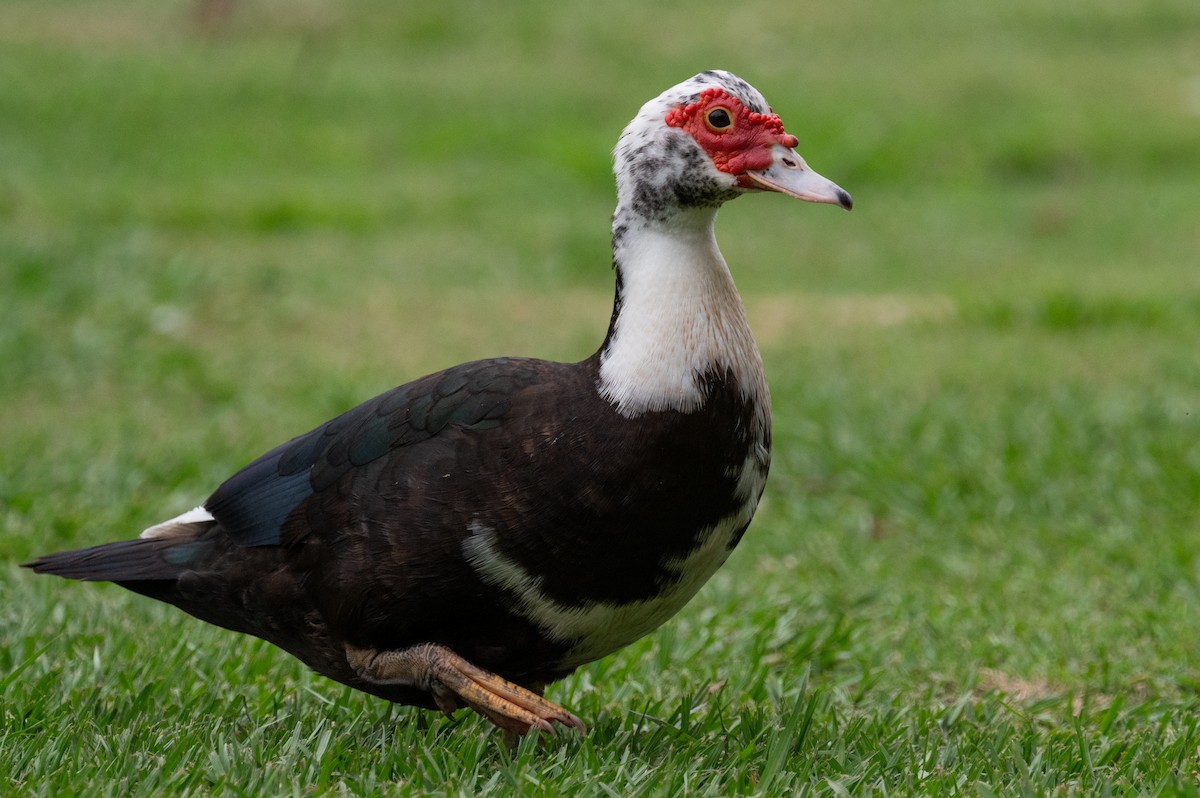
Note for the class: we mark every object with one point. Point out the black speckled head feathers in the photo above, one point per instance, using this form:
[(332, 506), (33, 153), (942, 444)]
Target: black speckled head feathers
[(675, 156)]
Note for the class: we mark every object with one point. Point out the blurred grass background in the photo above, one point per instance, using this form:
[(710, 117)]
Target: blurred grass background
[(223, 222)]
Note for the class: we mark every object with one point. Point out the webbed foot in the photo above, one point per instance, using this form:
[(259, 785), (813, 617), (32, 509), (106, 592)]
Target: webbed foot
[(453, 681)]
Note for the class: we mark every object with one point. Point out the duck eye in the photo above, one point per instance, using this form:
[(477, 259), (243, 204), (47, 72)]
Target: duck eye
[(719, 119)]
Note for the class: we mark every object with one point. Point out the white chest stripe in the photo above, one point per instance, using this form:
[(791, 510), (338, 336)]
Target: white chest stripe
[(751, 479), (599, 628)]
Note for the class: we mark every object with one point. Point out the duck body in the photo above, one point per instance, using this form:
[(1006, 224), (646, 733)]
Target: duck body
[(428, 515), (470, 537)]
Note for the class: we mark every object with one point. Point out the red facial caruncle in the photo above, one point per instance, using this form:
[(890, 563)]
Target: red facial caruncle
[(737, 139)]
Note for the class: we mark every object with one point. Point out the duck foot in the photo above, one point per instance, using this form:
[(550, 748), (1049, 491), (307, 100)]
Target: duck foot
[(451, 680)]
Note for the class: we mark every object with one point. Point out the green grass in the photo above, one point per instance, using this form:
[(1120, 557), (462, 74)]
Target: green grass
[(977, 568)]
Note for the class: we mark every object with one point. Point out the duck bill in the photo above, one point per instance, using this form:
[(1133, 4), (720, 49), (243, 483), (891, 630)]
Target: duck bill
[(789, 174)]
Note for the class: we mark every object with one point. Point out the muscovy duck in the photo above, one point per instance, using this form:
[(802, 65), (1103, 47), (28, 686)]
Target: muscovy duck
[(470, 537)]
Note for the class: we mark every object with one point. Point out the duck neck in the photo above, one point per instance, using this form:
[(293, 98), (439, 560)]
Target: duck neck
[(678, 325)]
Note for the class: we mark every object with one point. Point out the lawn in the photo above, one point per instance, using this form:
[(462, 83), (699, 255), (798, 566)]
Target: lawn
[(976, 570)]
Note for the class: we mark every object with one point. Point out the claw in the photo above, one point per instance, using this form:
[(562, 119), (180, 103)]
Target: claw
[(451, 679)]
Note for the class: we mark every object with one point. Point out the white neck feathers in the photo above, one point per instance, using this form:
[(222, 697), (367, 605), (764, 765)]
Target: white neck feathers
[(680, 317)]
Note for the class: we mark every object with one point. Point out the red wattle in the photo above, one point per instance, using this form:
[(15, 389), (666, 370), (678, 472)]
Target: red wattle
[(743, 146)]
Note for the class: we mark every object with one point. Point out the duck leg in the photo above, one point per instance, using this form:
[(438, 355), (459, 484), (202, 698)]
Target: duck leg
[(451, 679)]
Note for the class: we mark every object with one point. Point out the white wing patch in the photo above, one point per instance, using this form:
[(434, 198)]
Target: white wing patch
[(599, 628), (180, 524)]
